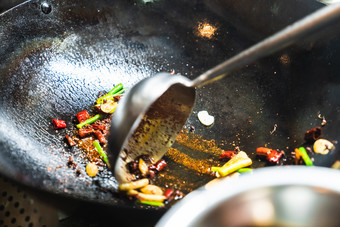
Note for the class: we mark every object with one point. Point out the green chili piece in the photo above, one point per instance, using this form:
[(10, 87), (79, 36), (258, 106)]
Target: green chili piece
[(113, 96), (90, 120), (237, 162), (114, 92), (151, 203), (245, 170), (305, 157), (102, 154)]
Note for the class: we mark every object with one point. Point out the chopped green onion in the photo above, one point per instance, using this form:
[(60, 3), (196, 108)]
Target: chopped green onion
[(245, 170), (90, 120), (113, 96), (151, 203), (117, 90), (215, 168), (305, 157), (102, 154), (237, 162)]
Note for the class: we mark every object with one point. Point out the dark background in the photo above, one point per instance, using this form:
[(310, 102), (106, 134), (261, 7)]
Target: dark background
[(7, 4)]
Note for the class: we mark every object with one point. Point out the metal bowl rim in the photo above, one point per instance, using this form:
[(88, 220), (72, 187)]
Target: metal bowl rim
[(201, 201)]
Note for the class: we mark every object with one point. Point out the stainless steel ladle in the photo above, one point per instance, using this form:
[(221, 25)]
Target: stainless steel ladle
[(151, 114)]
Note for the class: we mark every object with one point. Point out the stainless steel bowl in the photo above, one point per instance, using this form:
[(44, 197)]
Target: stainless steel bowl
[(271, 196)]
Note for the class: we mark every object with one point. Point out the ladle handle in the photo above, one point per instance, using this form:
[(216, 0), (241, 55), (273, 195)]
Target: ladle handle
[(271, 44)]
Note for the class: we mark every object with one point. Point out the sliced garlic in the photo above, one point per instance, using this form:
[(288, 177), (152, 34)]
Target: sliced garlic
[(143, 167), (150, 197), (152, 189), (134, 184), (205, 118), (322, 146)]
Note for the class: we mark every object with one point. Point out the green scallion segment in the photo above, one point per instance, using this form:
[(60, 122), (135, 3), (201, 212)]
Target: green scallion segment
[(245, 170), (305, 157), (151, 203), (215, 168), (117, 90), (102, 154), (90, 120), (113, 96), (240, 160)]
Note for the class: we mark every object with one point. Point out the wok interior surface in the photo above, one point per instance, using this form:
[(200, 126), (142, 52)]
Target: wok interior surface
[(56, 59)]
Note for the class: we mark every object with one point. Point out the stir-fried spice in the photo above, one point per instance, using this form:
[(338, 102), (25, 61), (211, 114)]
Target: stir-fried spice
[(200, 166), (91, 138), (93, 130), (195, 142)]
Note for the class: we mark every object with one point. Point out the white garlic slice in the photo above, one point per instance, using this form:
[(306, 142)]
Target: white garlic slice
[(322, 146), (205, 118)]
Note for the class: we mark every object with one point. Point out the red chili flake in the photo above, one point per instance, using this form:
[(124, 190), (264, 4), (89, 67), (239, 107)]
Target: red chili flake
[(227, 154), (133, 166), (100, 136), (192, 128), (161, 164), (271, 155), (152, 173), (168, 192), (82, 116), (70, 140), (100, 127), (263, 151), (97, 108), (118, 97), (78, 172), (71, 163), (85, 132), (178, 194), (313, 134), (58, 123), (274, 156)]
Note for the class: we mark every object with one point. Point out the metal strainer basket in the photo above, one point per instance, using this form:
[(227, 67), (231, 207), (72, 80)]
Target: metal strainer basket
[(18, 208)]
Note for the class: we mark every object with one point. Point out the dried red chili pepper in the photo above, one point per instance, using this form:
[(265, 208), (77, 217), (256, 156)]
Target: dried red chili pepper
[(168, 192), (85, 132), (82, 116), (152, 173), (274, 156), (313, 134), (133, 166), (118, 97), (178, 194), (58, 123), (227, 154), (271, 155), (161, 164), (100, 136), (70, 140), (100, 127), (263, 151)]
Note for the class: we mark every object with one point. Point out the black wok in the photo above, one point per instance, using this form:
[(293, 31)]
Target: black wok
[(56, 56)]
